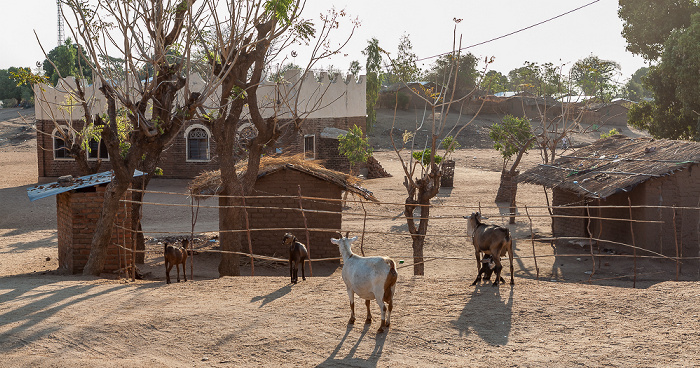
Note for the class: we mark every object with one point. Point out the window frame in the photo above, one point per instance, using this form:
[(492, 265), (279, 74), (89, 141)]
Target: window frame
[(187, 143), (54, 137), (314, 146)]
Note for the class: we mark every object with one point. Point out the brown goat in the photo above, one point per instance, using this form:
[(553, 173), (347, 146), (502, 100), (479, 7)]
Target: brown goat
[(297, 255), (175, 256), (491, 239)]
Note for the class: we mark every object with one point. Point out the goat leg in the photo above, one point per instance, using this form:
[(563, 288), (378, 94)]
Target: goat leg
[(369, 316), (303, 277), (291, 271), (382, 307), (351, 295)]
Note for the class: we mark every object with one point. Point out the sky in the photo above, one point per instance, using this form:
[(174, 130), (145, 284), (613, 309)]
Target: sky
[(593, 30)]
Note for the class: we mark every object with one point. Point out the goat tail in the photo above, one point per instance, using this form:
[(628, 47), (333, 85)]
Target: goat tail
[(507, 234), (392, 267)]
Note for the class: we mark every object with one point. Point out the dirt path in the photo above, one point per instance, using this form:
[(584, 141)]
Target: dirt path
[(53, 320)]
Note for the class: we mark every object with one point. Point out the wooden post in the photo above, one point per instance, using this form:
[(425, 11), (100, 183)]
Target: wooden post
[(306, 226), (532, 240), (133, 246), (634, 245), (675, 238), (590, 241), (600, 231), (364, 226), (195, 215), (250, 243)]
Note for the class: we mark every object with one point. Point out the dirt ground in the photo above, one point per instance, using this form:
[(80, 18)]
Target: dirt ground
[(48, 319)]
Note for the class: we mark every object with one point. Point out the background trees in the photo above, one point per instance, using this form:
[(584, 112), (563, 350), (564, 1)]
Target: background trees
[(65, 60), (466, 73), (595, 77), (11, 90)]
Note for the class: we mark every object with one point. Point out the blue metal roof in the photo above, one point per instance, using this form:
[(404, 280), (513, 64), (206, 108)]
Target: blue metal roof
[(47, 190)]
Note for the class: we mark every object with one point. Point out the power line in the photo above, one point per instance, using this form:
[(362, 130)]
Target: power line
[(514, 32)]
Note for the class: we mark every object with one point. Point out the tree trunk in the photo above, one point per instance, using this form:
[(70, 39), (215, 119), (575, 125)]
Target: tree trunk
[(418, 265), (103, 231), (228, 215)]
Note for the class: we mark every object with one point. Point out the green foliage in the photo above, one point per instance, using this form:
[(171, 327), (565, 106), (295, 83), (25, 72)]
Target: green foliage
[(540, 80), (424, 157), (611, 133), (402, 100), (68, 62), (404, 67), (374, 79), (510, 135), (494, 82), (594, 76), (355, 68), (442, 72), (647, 24), (16, 83), (278, 76), (674, 112), (635, 89), (281, 9), (450, 144), (353, 146)]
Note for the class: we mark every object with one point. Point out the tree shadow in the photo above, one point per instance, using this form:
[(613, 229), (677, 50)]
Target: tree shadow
[(284, 290), (37, 308), (487, 315), (41, 214), (350, 359), (46, 242)]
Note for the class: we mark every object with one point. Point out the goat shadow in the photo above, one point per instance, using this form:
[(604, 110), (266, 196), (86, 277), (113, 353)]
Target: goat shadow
[(492, 327), (284, 290), (350, 360)]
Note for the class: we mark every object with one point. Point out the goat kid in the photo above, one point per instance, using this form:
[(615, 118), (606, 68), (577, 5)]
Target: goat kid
[(297, 255), (370, 278), (175, 256), (487, 266), (492, 240)]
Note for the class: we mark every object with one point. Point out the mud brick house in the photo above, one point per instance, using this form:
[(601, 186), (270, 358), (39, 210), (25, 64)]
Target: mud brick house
[(275, 204), (655, 175), (321, 102), (606, 115), (78, 206)]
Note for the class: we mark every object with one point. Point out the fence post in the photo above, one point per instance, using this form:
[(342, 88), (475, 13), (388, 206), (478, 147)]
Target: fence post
[(675, 238), (532, 240), (306, 226), (590, 241), (634, 244)]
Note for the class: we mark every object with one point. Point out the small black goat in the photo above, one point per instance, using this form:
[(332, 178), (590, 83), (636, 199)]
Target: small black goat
[(297, 255), (487, 266), (493, 240), (175, 256)]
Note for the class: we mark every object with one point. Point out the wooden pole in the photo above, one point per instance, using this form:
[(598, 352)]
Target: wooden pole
[(590, 241), (133, 244), (532, 240), (680, 246), (634, 245), (195, 215), (675, 238), (308, 238), (364, 226), (600, 231), (250, 242)]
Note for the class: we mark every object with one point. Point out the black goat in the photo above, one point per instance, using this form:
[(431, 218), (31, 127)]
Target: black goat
[(297, 255)]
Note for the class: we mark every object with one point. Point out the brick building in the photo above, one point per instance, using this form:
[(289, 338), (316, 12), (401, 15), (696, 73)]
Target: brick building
[(78, 206), (652, 174), (277, 187), (334, 103)]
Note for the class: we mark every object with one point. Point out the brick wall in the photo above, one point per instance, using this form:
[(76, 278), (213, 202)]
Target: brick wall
[(77, 214), (286, 182), (564, 226), (173, 161)]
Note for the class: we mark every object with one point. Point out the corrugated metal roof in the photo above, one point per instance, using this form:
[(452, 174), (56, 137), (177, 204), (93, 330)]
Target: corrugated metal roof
[(50, 189)]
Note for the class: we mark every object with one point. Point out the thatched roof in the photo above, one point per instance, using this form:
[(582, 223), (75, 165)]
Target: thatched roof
[(614, 164), (209, 182)]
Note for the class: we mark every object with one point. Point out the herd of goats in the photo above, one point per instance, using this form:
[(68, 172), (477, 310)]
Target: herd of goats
[(374, 278)]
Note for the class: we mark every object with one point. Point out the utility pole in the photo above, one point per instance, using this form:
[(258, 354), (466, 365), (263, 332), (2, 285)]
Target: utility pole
[(61, 32)]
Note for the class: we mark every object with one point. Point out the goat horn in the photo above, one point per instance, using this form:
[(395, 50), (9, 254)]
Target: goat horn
[(347, 233)]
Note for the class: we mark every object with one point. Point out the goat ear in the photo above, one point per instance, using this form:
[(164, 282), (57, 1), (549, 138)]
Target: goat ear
[(334, 240), (353, 238)]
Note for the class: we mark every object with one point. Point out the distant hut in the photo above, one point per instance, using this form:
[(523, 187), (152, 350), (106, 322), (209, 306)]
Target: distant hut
[(649, 172), (279, 178)]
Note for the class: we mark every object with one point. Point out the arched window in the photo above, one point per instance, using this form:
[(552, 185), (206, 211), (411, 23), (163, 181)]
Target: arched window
[(98, 150), (61, 148), (197, 143)]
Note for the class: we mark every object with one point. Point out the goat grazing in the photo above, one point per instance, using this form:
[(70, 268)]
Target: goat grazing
[(493, 240), (297, 255), (369, 278), (175, 256)]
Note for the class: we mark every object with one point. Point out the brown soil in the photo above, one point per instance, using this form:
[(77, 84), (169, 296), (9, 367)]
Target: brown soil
[(52, 320)]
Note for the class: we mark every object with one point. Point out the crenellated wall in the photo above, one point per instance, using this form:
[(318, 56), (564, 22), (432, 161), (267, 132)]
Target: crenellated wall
[(311, 96)]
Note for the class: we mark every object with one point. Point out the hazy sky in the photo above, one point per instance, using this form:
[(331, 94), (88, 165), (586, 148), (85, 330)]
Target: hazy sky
[(593, 30)]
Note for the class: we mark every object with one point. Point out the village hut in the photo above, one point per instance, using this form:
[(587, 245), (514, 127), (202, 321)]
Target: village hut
[(78, 206), (660, 178), (274, 203)]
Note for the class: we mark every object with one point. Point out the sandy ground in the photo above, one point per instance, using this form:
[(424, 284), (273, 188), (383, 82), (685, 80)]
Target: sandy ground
[(52, 320)]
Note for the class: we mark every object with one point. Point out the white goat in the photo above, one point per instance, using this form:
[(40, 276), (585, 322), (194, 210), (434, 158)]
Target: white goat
[(369, 278)]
